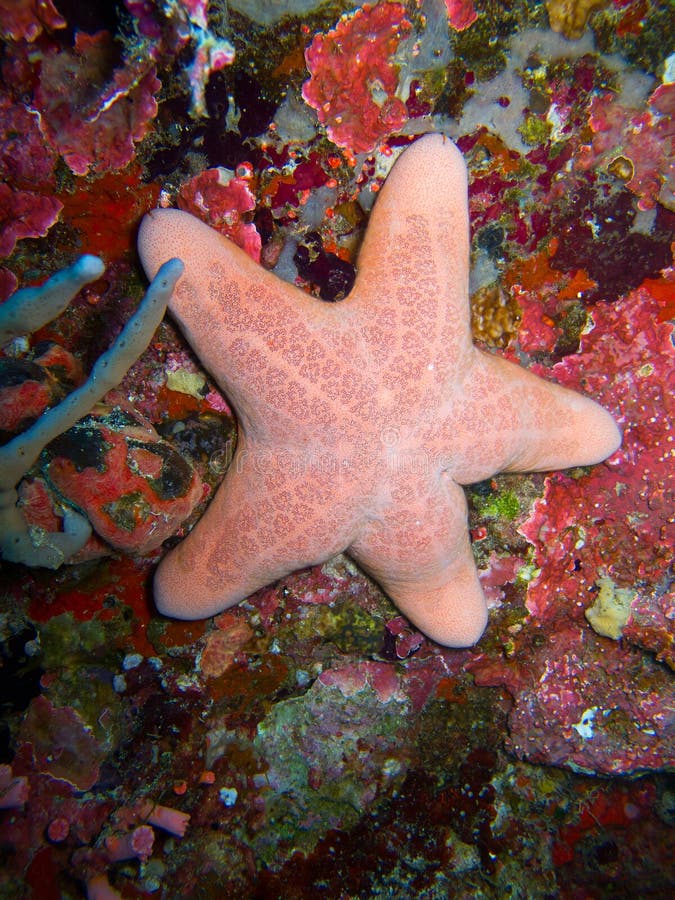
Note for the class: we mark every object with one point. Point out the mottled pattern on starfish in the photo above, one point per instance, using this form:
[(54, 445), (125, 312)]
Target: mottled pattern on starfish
[(360, 421)]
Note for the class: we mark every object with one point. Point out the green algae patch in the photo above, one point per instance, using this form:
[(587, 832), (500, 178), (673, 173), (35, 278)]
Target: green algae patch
[(504, 505), (350, 627), (535, 130), (64, 640)]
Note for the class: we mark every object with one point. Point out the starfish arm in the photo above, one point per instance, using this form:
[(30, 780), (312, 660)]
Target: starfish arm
[(429, 572), (259, 527), (213, 263), (420, 221), (510, 420), (425, 196), (552, 427), (411, 290), (250, 329)]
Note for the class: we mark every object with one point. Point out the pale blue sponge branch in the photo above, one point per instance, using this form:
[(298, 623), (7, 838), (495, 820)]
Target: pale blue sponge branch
[(26, 311)]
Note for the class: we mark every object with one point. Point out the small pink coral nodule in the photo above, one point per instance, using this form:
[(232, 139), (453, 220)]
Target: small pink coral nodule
[(58, 829), (136, 844), (223, 202), (461, 13)]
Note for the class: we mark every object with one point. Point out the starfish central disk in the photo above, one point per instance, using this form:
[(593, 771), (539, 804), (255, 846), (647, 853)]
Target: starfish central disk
[(360, 421)]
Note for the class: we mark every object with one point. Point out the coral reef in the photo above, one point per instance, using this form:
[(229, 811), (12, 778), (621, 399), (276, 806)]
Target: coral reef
[(329, 754), (635, 145), (27, 19), (319, 744), (98, 132), (25, 214), (222, 199), (631, 542)]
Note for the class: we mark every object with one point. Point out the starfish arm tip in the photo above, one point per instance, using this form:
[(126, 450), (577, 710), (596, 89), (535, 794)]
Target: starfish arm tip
[(172, 233), (610, 437), (591, 432), (455, 616), (179, 595), (551, 427)]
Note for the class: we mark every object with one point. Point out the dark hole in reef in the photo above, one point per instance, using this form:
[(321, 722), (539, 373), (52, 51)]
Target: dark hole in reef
[(20, 682), (83, 445), (490, 239), (254, 109), (334, 277), (606, 852), (176, 474), (105, 15), (14, 372), (595, 234)]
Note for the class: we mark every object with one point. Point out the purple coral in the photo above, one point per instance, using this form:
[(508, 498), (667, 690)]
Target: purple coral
[(224, 201), (24, 214), (27, 19), (91, 113)]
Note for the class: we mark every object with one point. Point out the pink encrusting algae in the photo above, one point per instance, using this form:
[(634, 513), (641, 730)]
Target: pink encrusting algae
[(354, 76)]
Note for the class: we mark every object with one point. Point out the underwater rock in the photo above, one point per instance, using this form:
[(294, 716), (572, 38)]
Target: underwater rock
[(330, 755), (133, 487)]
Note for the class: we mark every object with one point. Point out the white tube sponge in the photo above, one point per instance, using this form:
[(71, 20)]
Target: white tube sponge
[(35, 547)]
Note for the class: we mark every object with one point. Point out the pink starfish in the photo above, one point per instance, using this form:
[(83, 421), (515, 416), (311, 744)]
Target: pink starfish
[(360, 421)]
